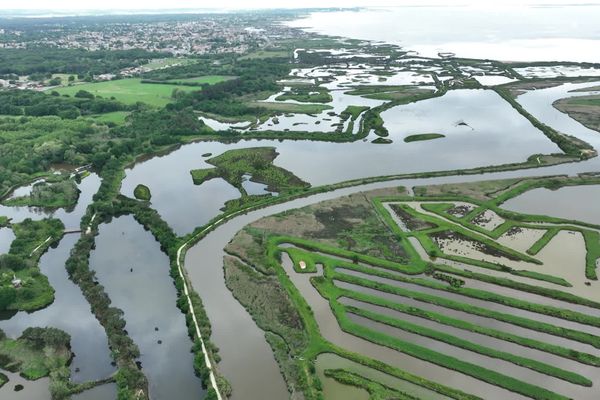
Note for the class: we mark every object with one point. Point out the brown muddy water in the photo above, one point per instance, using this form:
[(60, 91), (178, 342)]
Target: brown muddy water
[(472, 318), (480, 303), (334, 390), (331, 331), (500, 366)]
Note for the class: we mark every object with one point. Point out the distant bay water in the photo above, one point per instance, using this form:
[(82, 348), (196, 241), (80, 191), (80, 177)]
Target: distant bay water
[(512, 33)]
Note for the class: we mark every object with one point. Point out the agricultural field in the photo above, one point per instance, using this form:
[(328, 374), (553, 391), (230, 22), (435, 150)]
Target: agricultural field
[(440, 294)]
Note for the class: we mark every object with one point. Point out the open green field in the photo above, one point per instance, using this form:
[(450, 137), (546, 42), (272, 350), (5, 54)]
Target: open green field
[(209, 79), (130, 91)]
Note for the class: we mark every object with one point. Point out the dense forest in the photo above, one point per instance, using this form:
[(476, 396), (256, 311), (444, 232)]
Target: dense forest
[(253, 78), (31, 145), (39, 104)]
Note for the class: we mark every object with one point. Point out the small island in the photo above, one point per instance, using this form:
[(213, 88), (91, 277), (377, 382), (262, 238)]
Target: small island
[(142, 192), (423, 136)]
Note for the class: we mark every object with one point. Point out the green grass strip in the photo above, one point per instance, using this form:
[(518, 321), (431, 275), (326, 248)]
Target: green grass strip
[(524, 287), (434, 357), (476, 348), (483, 295), (543, 241), (592, 245), (350, 255), (539, 326), (560, 351)]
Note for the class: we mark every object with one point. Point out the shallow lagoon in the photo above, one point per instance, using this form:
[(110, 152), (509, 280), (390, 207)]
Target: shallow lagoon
[(496, 134), (578, 203), (135, 273)]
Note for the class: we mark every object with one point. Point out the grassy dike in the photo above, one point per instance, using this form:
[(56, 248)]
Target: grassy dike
[(199, 233), (478, 294), (556, 294), (592, 238), (318, 345), (568, 144), (319, 258), (542, 368), (535, 325), (421, 313), (560, 351), (327, 289)]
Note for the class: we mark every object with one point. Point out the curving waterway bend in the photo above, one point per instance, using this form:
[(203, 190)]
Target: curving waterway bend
[(247, 360)]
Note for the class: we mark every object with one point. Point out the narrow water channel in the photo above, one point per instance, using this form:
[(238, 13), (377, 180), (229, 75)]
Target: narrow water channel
[(135, 274)]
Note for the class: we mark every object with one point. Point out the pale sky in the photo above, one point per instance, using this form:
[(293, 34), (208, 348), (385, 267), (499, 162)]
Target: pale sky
[(170, 4)]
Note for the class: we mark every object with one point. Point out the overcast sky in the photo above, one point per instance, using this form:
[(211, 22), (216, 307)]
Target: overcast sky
[(170, 4)]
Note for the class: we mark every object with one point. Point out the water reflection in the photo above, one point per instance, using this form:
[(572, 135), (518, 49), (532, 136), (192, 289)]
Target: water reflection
[(578, 202), (71, 218), (70, 312), (135, 274), (32, 390), (6, 238)]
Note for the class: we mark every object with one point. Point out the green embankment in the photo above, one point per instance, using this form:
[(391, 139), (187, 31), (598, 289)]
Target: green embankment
[(423, 136), (479, 372)]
